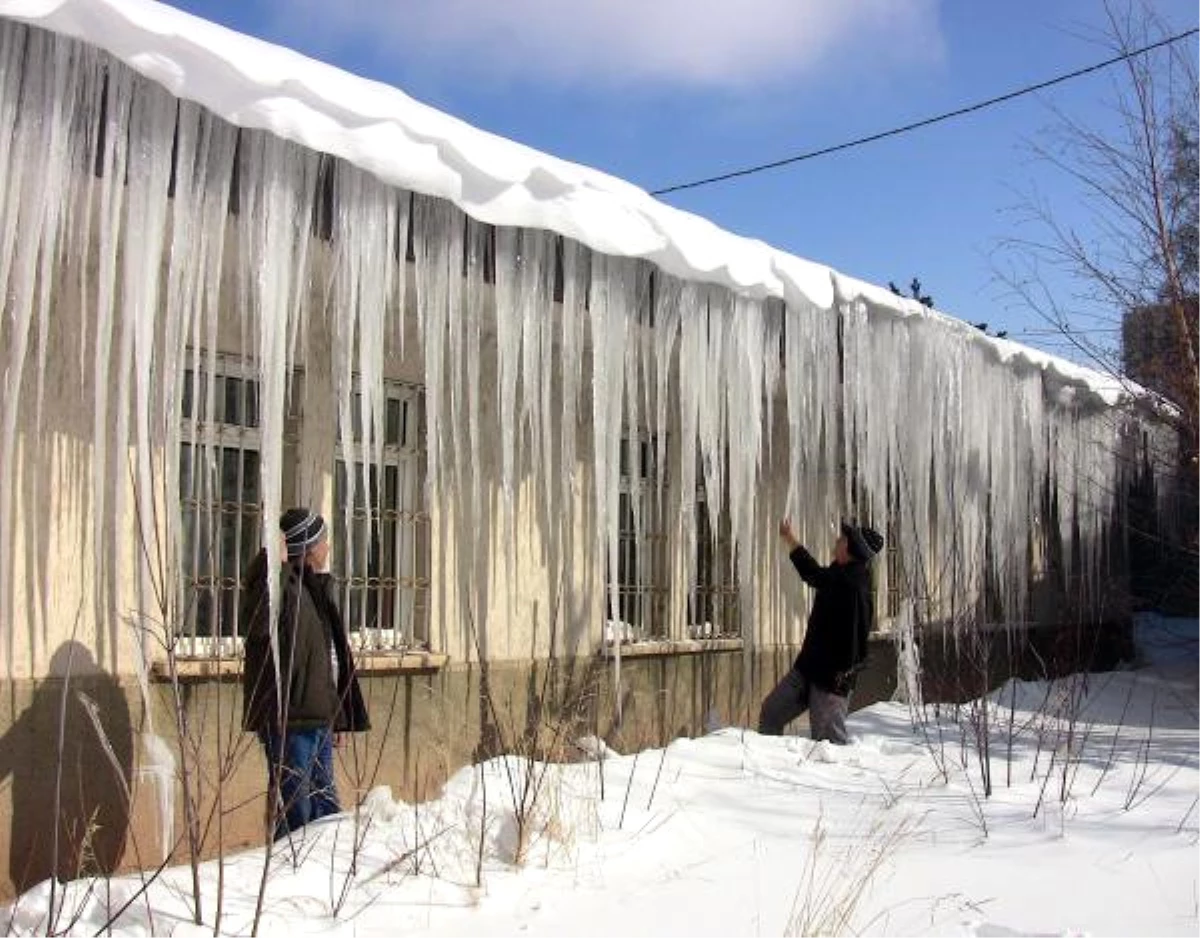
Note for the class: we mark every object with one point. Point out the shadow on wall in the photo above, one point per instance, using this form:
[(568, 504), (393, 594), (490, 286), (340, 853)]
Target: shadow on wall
[(69, 756)]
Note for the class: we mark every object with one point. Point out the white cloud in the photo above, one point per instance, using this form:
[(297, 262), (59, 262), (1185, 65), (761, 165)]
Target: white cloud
[(697, 43)]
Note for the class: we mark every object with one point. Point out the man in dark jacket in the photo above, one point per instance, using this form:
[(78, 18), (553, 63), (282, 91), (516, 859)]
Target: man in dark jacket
[(297, 699), (835, 643)]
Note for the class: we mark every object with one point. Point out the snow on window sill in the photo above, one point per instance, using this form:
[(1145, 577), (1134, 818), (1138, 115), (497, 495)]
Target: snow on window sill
[(196, 669), (400, 662), (648, 648), (369, 663)]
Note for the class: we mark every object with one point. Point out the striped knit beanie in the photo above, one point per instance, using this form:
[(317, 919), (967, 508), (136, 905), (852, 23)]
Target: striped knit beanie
[(302, 529)]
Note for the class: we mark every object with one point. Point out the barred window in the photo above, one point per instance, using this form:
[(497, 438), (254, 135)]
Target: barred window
[(713, 610), (219, 500), (381, 535), (641, 578), (898, 583)]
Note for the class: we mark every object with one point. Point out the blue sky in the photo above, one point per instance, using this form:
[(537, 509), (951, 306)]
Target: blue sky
[(665, 92)]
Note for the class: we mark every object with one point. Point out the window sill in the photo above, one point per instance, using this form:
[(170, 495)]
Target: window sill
[(397, 662), (194, 670), (664, 648)]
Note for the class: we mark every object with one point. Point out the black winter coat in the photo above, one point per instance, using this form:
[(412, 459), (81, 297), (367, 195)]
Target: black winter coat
[(843, 614), (309, 626)]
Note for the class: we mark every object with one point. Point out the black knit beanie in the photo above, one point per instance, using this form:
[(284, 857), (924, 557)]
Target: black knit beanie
[(865, 542)]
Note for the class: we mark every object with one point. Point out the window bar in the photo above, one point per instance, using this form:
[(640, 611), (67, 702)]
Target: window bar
[(401, 627), (231, 625)]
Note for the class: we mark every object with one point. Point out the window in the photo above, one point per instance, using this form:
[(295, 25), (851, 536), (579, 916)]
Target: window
[(641, 582), (713, 595), (219, 500), (897, 590), (381, 529), (899, 579)]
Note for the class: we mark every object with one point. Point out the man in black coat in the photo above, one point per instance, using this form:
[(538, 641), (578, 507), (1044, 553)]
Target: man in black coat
[(835, 643), (298, 700)]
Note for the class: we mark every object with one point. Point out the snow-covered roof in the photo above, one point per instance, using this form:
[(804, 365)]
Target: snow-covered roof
[(255, 84)]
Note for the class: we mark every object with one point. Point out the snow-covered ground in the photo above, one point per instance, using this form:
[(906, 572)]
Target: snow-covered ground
[(1091, 828)]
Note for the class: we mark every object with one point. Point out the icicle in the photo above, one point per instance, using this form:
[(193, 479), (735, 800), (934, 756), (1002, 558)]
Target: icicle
[(944, 444), (666, 317), (477, 296), (116, 106), (436, 265), (448, 384), (546, 412), (575, 278), (508, 347), (278, 192), (666, 330), (356, 427), (711, 414), (632, 433), (84, 144), (457, 399), (575, 272), (469, 500), (438, 229), (13, 157), (692, 338), (746, 353), (362, 234), (205, 151), (57, 179), (808, 397), (151, 130), (35, 171), (535, 275), (772, 369), (613, 295)]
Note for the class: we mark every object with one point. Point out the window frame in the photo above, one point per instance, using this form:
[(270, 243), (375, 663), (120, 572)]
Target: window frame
[(204, 437), (706, 587), (642, 600), (410, 588)]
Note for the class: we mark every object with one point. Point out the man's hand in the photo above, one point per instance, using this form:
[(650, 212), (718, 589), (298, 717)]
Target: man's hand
[(788, 533)]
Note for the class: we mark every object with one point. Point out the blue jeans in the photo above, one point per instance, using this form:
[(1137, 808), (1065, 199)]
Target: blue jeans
[(302, 764)]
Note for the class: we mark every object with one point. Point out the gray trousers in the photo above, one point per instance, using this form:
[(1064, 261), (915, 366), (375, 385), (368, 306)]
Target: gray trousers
[(791, 697)]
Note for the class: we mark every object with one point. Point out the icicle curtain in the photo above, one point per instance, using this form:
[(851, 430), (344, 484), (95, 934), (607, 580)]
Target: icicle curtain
[(167, 229)]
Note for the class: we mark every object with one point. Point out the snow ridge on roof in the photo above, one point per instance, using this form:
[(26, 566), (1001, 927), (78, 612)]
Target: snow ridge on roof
[(254, 84)]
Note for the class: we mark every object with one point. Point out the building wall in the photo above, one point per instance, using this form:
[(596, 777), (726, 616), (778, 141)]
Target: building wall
[(517, 569), (425, 727), (93, 633), (498, 578)]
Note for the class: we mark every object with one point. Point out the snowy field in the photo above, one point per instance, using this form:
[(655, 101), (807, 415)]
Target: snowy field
[(1091, 829)]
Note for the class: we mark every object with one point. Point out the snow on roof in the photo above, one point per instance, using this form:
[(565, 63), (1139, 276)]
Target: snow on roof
[(255, 84)]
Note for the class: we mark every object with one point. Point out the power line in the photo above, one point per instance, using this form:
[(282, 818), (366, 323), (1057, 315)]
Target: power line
[(1065, 331), (979, 106)]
